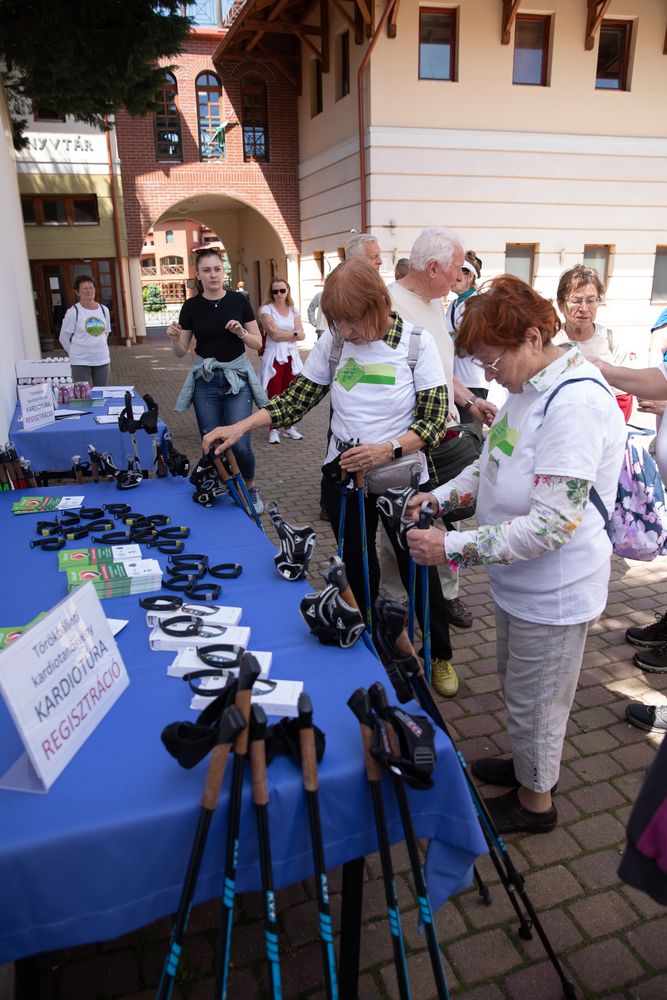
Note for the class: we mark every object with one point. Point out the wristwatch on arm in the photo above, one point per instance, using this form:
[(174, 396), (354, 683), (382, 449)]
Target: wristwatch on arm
[(469, 403), (397, 450)]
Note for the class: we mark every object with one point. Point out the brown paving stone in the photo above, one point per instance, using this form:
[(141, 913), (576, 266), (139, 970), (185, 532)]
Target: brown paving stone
[(483, 955), (650, 942), (478, 725), (481, 703), (376, 944), (632, 758), (593, 718), (605, 965), (595, 742), (550, 848), (479, 915), (602, 914), (539, 980), (420, 975), (551, 886), (561, 931), (592, 696), (654, 988), (597, 870), (597, 798), (600, 831), (481, 685), (302, 970), (629, 784)]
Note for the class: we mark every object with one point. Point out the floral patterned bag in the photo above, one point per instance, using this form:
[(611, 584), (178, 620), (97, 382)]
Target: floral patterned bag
[(637, 528)]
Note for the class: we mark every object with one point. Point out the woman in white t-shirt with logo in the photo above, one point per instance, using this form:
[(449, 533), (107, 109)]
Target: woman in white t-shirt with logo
[(382, 408), (281, 362), (544, 542), (84, 333)]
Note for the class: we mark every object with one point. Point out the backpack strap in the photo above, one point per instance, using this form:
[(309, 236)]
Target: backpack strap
[(76, 321), (337, 350), (595, 497)]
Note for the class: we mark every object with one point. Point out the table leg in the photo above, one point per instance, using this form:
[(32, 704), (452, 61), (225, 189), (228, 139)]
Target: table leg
[(350, 933), (26, 983)]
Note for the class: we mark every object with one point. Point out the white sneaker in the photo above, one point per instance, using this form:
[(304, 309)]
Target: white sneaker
[(292, 432), (274, 436)]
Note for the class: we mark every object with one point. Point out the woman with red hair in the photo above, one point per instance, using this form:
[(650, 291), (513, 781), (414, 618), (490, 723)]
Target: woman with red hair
[(540, 535)]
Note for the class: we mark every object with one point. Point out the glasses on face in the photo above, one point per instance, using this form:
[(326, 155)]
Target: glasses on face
[(279, 291), (492, 368), (590, 303)]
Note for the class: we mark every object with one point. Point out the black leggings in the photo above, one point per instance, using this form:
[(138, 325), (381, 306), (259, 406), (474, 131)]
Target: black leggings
[(440, 641)]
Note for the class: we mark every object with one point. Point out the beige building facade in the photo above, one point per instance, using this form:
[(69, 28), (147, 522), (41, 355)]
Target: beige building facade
[(535, 176)]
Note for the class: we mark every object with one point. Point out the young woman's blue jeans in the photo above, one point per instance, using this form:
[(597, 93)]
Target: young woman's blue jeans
[(215, 405)]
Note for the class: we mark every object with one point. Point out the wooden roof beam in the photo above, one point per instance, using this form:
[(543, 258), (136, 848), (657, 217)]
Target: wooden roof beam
[(273, 15), (393, 17), (282, 27), (510, 10), (364, 10), (349, 20), (596, 11)]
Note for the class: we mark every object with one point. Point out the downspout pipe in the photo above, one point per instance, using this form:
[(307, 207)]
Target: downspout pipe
[(117, 239), (360, 101)]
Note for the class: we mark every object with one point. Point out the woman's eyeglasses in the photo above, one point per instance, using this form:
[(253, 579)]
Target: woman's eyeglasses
[(492, 368), (578, 303), (279, 291)]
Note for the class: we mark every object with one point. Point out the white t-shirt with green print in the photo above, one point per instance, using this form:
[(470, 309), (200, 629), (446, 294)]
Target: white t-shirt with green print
[(84, 335), (374, 390)]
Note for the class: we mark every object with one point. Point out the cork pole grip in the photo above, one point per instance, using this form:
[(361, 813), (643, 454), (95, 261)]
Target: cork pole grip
[(260, 788), (373, 769), (214, 776), (308, 759), (221, 470), (233, 464), (242, 702)]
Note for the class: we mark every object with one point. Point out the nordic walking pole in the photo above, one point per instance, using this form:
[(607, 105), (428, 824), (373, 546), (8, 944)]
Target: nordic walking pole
[(379, 703), (512, 880), (425, 521), (311, 786), (359, 703), (260, 796), (239, 482), (342, 507), (248, 673), (359, 480), (231, 724)]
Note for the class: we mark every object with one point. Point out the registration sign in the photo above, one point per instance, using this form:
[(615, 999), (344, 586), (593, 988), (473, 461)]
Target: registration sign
[(37, 408), (59, 680)]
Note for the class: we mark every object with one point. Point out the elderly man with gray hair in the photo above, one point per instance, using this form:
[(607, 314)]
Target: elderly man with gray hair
[(364, 245), (435, 264)]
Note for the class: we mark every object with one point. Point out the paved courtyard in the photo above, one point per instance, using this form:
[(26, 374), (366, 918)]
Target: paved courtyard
[(611, 939)]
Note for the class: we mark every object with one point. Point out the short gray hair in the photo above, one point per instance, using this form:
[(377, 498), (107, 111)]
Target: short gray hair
[(436, 244), (353, 248)]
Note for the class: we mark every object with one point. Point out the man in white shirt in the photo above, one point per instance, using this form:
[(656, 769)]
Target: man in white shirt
[(435, 264)]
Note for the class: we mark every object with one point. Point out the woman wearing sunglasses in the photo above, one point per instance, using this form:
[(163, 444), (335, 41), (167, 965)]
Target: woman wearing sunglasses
[(281, 362), (544, 542)]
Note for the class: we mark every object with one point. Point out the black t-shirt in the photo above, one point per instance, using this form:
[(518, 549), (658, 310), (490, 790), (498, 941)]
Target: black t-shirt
[(208, 320)]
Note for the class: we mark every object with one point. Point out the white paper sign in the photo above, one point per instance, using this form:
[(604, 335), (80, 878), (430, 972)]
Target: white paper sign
[(36, 405), (59, 680)]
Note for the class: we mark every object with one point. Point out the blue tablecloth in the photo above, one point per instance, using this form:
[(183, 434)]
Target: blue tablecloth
[(51, 448), (105, 850)]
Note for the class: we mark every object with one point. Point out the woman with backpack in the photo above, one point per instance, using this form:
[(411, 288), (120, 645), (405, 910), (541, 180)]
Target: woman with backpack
[(558, 435), (281, 362), (84, 332)]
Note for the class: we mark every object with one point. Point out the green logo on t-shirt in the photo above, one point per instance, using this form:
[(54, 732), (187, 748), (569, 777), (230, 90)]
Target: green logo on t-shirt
[(94, 326), (351, 372), (503, 437)]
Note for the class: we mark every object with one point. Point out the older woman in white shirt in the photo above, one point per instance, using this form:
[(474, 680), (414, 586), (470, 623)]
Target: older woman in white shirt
[(545, 545)]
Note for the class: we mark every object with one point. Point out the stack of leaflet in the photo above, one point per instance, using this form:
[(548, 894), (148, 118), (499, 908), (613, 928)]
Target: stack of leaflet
[(76, 558), (116, 579)]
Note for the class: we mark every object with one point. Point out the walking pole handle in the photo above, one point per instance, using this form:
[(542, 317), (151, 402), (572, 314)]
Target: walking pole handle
[(249, 671), (231, 724), (233, 464), (360, 705), (380, 704), (220, 466), (307, 743), (260, 785), (426, 514), (336, 575)]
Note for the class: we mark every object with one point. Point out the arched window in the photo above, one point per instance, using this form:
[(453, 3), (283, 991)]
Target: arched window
[(255, 119), (168, 147), (209, 117)]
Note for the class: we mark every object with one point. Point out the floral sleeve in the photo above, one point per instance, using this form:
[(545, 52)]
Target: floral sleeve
[(556, 511), (459, 492)]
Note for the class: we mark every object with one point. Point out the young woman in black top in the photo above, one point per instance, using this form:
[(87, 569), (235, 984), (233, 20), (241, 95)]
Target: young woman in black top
[(222, 384)]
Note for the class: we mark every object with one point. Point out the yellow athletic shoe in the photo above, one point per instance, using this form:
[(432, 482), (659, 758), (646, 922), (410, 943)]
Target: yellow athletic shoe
[(443, 677)]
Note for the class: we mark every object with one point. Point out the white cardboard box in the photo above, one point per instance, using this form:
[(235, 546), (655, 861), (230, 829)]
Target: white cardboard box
[(187, 660), (214, 614), (281, 699), (236, 635)]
